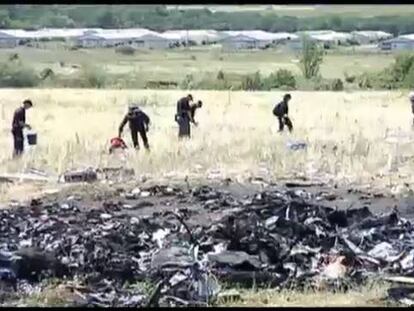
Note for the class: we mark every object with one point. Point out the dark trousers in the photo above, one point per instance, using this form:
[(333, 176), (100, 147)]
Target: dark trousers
[(184, 127), (134, 136), (283, 121), (18, 140), (412, 110)]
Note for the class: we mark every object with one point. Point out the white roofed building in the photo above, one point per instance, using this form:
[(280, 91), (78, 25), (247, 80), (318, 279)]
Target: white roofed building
[(370, 37), (262, 38), (239, 41), (8, 41), (198, 37), (91, 41), (402, 43), (155, 41)]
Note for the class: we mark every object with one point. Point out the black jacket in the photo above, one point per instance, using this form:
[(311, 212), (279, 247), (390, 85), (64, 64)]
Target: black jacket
[(281, 109), (137, 119), (183, 107), (19, 119)]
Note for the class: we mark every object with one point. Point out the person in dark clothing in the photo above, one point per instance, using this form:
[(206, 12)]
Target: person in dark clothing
[(183, 116), (138, 123), (411, 96), (193, 109), (18, 124), (281, 112)]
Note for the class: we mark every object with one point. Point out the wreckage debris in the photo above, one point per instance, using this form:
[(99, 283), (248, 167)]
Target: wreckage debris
[(88, 175), (282, 238)]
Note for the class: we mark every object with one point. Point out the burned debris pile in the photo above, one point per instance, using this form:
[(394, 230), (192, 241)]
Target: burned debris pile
[(282, 238)]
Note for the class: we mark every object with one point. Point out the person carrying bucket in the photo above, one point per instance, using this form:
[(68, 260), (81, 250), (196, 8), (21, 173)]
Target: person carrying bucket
[(18, 124)]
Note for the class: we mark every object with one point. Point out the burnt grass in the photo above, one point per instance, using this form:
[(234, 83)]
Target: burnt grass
[(186, 241)]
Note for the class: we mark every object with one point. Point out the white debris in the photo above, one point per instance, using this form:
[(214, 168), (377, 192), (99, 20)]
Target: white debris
[(335, 270), (408, 261), (383, 251), (136, 191), (145, 194), (159, 236), (105, 216), (26, 243), (134, 221), (65, 206)]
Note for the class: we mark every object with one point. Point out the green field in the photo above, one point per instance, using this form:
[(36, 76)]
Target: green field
[(174, 65)]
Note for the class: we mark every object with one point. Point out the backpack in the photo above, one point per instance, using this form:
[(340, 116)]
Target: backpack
[(276, 110)]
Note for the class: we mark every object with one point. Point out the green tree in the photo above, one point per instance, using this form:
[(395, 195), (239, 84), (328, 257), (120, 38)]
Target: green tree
[(311, 59), (336, 22), (57, 21), (108, 20), (4, 19)]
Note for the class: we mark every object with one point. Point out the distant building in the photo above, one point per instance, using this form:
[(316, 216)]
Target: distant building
[(296, 44), (327, 38), (90, 41), (198, 37), (370, 37), (151, 41), (134, 39), (238, 42), (8, 41), (397, 44)]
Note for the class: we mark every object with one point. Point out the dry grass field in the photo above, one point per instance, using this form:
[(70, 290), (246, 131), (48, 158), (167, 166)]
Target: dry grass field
[(236, 136), (367, 296)]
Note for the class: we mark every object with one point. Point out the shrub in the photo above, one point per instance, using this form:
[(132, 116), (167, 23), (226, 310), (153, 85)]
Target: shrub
[(14, 57), (409, 79), (364, 81), (17, 75), (188, 82), (93, 77), (337, 85), (280, 79), (321, 84), (349, 78), (46, 73), (398, 75), (402, 66), (252, 82), (220, 75), (125, 50)]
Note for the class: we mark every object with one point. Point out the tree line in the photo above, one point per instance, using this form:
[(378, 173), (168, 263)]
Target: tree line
[(158, 18)]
